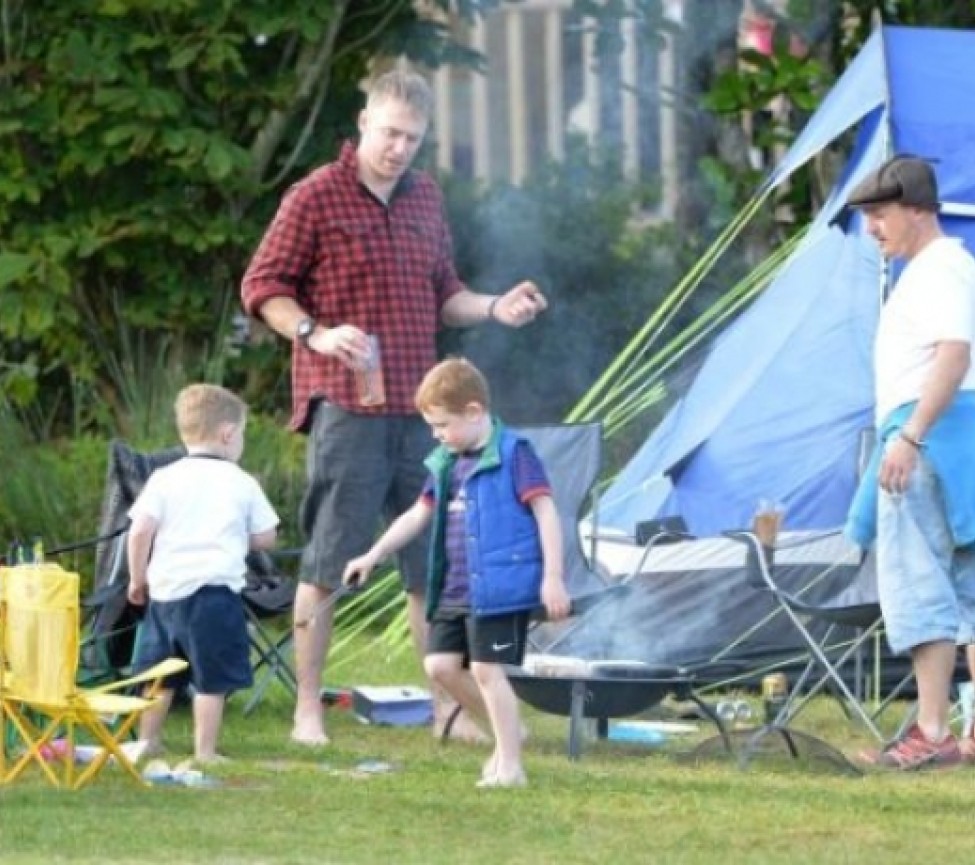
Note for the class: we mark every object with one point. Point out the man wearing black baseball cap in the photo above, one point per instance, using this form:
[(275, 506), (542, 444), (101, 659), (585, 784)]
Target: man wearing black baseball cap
[(917, 497)]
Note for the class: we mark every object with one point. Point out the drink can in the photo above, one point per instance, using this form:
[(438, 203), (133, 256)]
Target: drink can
[(743, 712), (775, 694), (775, 686), (726, 710)]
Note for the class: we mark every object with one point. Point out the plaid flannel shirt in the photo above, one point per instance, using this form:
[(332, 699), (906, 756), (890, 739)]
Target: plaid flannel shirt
[(347, 258)]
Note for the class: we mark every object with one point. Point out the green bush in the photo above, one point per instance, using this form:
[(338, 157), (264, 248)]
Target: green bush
[(51, 490)]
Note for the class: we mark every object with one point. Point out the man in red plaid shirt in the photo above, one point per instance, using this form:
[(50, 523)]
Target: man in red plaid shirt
[(358, 248)]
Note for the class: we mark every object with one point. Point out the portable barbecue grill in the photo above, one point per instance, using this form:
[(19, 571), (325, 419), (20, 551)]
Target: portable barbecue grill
[(604, 690)]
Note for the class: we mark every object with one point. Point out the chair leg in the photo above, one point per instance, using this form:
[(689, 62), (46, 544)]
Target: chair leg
[(35, 739), (830, 670), (270, 664), (110, 749)]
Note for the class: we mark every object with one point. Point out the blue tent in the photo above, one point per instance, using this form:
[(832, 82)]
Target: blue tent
[(779, 406)]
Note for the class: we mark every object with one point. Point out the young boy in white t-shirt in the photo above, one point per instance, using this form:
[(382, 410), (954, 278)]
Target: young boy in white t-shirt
[(192, 526)]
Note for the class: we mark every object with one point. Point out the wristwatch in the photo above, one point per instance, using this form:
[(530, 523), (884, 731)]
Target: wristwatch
[(306, 327)]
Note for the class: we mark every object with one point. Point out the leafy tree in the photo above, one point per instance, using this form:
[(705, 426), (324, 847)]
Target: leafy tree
[(146, 144)]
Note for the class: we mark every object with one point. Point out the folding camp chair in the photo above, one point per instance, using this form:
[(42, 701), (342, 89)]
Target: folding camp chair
[(267, 598), (39, 697), (110, 621), (572, 456), (851, 623)]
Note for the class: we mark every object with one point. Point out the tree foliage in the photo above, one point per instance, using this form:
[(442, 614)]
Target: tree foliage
[(146, 143)]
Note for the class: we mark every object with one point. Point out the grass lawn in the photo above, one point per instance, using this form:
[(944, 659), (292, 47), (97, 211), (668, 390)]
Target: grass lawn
[(278, 803)]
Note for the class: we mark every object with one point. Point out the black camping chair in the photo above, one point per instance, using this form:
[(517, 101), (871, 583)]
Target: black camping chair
[(110, 621), (572, 456), (851, 621), (268, 597)]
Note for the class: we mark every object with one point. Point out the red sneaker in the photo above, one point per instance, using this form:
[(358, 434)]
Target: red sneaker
[(915, 751)]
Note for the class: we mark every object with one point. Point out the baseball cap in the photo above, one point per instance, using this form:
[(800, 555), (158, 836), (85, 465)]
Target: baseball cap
[(901, 180)]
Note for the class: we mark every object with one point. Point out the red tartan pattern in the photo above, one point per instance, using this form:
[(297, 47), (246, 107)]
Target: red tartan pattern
[(347, 258)]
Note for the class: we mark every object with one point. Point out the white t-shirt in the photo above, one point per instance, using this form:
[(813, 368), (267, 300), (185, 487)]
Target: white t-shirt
[(206, 509), (933, 301)]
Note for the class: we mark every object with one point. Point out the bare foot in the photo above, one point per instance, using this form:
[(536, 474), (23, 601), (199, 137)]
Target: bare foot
[(310, 738), (309, 727), (517, 779), (490, 767), (211, 759)]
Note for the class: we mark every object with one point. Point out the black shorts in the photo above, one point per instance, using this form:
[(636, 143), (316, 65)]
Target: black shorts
[(209, 630), (488, 639), (362, 470)]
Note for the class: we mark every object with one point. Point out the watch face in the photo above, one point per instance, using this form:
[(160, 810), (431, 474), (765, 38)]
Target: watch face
[(305, 329)]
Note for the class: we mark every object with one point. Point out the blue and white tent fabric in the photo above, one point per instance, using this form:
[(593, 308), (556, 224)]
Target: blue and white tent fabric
[(779, 406)]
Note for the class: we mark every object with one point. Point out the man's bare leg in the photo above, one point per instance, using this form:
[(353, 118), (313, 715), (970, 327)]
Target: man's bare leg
[(312, 634), (934, 666)]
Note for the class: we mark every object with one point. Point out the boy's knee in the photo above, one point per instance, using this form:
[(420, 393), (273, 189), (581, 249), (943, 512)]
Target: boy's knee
[(441, 668), (487, 674)]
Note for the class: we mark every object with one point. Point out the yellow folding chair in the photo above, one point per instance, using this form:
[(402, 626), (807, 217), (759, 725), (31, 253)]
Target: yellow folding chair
[(40, 701)]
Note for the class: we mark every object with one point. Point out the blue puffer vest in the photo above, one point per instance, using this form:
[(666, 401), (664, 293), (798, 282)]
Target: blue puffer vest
[(504, 555)]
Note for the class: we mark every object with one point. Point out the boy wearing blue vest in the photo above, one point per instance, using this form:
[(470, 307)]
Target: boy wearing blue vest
[(495, 554)]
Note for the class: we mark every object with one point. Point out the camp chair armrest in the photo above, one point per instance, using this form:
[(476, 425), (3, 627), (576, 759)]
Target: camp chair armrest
[(162, 670), (759, 560)]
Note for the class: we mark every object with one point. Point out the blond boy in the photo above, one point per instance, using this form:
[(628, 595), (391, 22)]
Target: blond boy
[(192, 527)]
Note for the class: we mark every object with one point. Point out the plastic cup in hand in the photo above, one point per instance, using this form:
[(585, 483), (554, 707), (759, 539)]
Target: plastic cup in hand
[(369, 377)]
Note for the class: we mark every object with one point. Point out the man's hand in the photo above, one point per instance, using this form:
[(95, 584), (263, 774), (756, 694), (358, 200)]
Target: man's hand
[(900, 459), (519, 306), (344, 342)]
